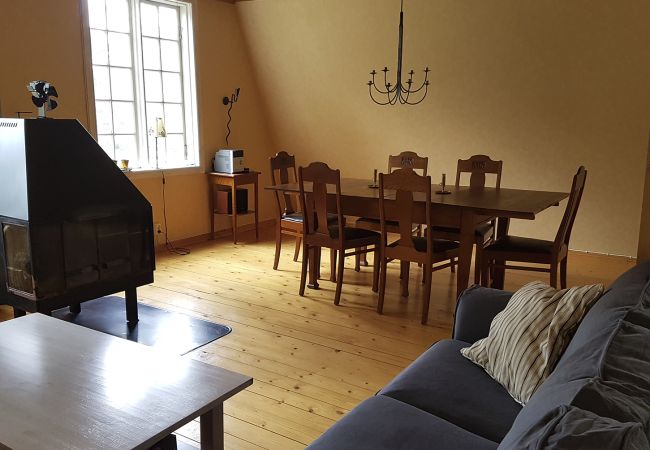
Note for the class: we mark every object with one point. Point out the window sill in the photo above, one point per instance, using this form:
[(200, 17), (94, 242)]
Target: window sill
[(156, 173)]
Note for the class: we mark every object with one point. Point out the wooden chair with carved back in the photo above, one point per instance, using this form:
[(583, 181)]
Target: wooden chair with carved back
[(537, 251), (289, 219), (477, 166), (398, 192), (406, 159), (318, 232)]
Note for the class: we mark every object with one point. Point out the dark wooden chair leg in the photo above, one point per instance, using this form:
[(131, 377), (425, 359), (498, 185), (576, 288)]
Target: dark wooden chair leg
[(364, 258), (477, 263), (357, 260), (339, 278), (375, 270), (19, 312), (563, 270), (405, 277), (131, 300), (554, 275), (296, 252), (278, 247), (319, 252), (382, 285), (485, 272), (333, 265), (75, 309), (426, 295), (303, 271), (453, 265)]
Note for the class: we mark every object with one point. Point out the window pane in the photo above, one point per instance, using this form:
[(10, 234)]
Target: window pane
[(149, 19), (161, 151), (172, 87), (106, 142), (124, 117), (104, 117), (102, 83), (168, 19), (126, 148), (171, 60), (121, 84), (174, 118), (150, 53), (117, 16), (97, 14), (119, 47), (152, 86), (175, 149), (154, 110), (99, 47)]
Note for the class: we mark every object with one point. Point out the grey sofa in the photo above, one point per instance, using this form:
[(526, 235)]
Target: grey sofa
[(598, 396)]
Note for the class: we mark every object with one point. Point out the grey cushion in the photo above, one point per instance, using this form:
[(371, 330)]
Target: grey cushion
[(384, 423), (298, 217), (568, 427), (475, 310), (606, 367), (442, 382)]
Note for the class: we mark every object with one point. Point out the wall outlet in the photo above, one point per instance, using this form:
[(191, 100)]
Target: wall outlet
[(158, 228)]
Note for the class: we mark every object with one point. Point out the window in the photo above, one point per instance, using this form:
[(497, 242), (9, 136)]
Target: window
[(143, 69)]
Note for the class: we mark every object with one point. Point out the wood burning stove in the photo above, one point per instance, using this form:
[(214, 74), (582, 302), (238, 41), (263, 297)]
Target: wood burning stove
[(73, 227)]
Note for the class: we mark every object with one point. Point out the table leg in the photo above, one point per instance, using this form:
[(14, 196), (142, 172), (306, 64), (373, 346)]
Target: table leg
[(131, 300), (467, 225), (211, 197), (257, 217), (234, 212), (212, 429)]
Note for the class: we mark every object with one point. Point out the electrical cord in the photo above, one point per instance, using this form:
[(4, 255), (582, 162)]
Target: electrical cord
[(170, 247)]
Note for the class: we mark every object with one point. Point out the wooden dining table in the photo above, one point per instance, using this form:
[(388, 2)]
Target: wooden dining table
[(462, 208)]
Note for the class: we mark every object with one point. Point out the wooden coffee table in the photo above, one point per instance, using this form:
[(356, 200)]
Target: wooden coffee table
[(63, 386)]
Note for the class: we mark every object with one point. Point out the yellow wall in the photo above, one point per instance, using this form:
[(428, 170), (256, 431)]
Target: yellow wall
[(544, 86), (222, 64), (644, 232)]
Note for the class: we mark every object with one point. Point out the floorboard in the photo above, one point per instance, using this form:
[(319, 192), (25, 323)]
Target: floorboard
[(312, 361)]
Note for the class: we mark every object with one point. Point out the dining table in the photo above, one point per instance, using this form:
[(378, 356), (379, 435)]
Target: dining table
[(463, 207)]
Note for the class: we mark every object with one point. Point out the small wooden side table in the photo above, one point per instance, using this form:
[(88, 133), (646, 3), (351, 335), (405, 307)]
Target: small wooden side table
[(232, 181)]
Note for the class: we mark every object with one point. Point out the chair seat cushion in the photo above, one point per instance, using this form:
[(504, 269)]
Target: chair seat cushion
[(481, 230), (439, 245), (350, 233), (297, 217), (521, 244), (385, 423), (444, 383)]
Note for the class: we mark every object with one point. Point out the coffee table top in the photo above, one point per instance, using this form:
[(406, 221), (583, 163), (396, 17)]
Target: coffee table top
[(68, 387)]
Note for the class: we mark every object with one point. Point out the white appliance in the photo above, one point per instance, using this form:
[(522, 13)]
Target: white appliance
[(229, 160)]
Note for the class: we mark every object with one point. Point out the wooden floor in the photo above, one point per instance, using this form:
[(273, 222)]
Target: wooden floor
[(311, 361)]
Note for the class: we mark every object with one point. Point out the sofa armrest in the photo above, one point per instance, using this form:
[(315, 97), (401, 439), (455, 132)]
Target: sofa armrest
[(475, 310)]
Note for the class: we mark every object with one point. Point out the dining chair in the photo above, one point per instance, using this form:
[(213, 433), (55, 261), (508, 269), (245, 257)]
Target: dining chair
[(402, 186), (290, 219), (406, 159), (528, 250), (477, 166), (318, 232)]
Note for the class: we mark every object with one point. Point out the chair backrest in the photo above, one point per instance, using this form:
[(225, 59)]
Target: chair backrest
[(478, 166), (406, 184), (314, 202), (577, 188), (409, 160), (284, 165)]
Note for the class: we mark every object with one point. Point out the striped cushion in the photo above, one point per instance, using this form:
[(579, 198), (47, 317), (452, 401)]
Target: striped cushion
[(528, 337)]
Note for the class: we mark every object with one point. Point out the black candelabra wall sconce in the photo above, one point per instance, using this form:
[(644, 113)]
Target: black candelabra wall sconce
[(230, 102)]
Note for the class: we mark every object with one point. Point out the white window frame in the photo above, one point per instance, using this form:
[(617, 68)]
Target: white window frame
[(188, 74)]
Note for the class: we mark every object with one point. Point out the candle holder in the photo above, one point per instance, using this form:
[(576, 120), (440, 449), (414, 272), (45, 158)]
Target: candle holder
[(374, 184), (443, 185)]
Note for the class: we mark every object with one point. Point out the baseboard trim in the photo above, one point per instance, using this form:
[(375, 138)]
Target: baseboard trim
[(218, 234)]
